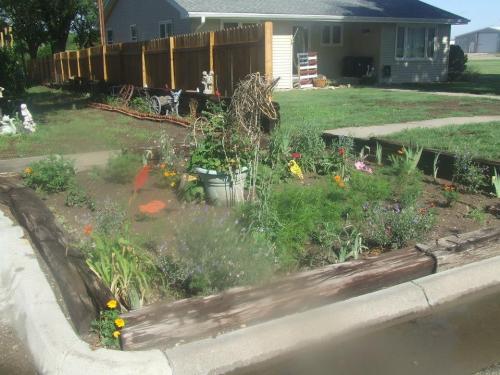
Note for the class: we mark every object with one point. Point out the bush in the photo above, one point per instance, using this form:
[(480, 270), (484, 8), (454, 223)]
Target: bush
[(122, 169), (110, 219), (212, 255), (77, 197), (457, 63), (51, 175), (11, 73), (468, 174), (395, 227)]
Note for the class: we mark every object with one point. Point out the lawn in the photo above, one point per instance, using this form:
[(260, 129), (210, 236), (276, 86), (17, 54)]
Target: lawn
[(486, 83), (332, 109), (481, 139), (66, 125)]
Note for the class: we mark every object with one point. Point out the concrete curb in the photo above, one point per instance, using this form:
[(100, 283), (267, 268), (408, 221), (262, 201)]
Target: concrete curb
[(255, 345), (30, 306)]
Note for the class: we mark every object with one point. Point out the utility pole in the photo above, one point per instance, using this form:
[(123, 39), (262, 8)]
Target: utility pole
[(102, 23)]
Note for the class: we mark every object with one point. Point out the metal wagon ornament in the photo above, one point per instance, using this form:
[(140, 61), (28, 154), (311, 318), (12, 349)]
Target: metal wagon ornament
[(168, 103)]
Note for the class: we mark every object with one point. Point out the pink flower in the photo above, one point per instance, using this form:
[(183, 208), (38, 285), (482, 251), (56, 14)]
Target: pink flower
[(361, 166)]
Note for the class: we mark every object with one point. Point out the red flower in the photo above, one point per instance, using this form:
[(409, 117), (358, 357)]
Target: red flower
[(141, 178), (296, 155), (218, 94), (88, 229), (342, 151)]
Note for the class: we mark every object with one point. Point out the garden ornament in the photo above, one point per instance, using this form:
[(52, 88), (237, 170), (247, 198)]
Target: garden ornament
[(207, 81), (1, 91), (169, 102), (28, 123), (295, 169), (7, 126)]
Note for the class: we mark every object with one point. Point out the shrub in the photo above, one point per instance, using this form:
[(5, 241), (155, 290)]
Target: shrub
[(11, 72), (51, 175), (467, 173), (457, 63), (122, 168), (395, 227), (212, 255), (110, 219), (77, 197), (140, 104)]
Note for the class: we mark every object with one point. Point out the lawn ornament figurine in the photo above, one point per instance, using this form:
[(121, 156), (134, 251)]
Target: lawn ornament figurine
[(207, 81), (28, 123), (295, 169), (7, 126), (169, 103)]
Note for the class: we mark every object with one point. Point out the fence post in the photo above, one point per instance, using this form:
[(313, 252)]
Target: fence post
[(143, 66), (211, 46), (62, 67), (78, 68), (172, 63), (104, 62), (90, 63), (268, 50), (1, 39), (69, 64)]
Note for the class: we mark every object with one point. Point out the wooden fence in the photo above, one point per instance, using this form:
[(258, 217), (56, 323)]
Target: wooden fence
[(176, 61)]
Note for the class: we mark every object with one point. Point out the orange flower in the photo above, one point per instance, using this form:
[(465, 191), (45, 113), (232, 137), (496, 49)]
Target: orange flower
[(88, 229), (338, 179), (152, 207), (449, 188)]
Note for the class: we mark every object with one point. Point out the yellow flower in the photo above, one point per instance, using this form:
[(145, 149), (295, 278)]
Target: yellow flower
[(170, 174), (112, 304), (172, 184), (28, 170), (116, 334), (119, 322)]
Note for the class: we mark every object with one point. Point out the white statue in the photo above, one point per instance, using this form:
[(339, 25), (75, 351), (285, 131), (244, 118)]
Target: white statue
[(207, 80), (7, 126), (28, 123)]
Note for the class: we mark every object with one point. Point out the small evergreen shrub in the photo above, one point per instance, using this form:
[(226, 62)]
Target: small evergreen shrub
[(457, 63)]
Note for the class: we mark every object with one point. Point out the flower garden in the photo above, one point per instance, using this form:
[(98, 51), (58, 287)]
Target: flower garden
[(231, 206)]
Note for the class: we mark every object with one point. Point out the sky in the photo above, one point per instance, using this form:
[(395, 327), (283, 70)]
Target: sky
[(482, 13)]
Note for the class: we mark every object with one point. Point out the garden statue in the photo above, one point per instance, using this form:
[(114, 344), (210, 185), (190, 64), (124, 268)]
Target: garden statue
[(28, 123), (7, 126), (207, 81)]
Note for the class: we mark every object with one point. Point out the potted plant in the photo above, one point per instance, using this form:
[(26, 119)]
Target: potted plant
[(221, 158)]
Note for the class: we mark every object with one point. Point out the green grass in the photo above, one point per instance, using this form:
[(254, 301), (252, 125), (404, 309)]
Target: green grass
[(332, 109), (487, 82), (66, 125), (480, 139)]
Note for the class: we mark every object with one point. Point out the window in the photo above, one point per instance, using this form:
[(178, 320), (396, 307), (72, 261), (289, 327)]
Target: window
[(133, 33), (331, 35), (415, 42), (109, 36), (232, 25), (166, 29)]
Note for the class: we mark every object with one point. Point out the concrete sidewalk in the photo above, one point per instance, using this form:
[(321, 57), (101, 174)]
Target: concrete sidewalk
[(83, 162), (376, 131), (446, 93)]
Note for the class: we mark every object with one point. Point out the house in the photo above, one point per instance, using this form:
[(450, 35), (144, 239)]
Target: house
[(400, 40), (480, 41)]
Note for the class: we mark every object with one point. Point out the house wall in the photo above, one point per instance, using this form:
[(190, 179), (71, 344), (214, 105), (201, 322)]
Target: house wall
[(422, 70), (147, 15)]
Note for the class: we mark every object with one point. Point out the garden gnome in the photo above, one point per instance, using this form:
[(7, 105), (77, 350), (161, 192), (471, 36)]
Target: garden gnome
[(7, 126), (28, 122)]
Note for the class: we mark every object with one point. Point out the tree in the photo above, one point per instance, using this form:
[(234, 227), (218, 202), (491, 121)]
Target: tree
[(58, 16), (28, 27), (86, 24)]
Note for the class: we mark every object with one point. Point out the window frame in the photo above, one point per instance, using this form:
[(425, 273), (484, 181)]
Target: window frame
[(331, 43), (136, 33), (108, 39), (426, 46), (170, 22)]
